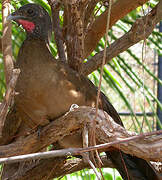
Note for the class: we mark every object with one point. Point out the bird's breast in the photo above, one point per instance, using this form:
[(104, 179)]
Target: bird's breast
[(47, 88), (48, 97)]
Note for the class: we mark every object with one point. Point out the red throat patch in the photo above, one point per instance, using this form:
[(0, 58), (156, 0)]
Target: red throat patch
[(27, 25)]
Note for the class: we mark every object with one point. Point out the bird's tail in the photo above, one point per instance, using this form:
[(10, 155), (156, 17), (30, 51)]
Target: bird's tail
[(132, 168), (129, 167)]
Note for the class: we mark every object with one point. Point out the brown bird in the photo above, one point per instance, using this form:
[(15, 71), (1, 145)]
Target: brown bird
[(47, 87)]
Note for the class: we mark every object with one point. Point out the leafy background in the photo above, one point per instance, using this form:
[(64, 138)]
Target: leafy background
[(129, 80)]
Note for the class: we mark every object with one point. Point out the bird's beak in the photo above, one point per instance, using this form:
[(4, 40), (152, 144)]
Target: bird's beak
[(14, 17)]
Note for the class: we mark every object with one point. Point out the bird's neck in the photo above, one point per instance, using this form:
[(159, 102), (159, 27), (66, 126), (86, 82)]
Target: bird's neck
[(31, 37), (34, 44), (31, 51)]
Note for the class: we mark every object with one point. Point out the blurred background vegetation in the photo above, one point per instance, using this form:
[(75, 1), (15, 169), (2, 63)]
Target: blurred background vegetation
[(129, 80)]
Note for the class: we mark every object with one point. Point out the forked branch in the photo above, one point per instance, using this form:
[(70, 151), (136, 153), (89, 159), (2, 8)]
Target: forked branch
[(136, 34)]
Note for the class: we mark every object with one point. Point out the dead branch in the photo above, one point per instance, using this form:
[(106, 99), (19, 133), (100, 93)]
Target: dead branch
[(140, 146), (136, 34), (97, 30)]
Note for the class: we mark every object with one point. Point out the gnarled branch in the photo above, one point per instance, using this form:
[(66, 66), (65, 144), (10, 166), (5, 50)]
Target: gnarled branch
[(149, 148), (146, 148)]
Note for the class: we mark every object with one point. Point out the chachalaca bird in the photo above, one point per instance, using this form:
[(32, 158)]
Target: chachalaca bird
[(47, 87)]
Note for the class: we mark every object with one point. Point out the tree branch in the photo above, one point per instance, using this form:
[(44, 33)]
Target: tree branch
[(6, 41), (89, 12), (146, 148), (149, 149), (55, 7), (11, 74), (96, 32), (141, 146), (55, 167), (74, 39), (79, 151), (141, 29), (10, 92)]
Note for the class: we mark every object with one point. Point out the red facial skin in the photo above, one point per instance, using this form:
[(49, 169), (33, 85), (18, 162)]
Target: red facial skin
[(27, 25)]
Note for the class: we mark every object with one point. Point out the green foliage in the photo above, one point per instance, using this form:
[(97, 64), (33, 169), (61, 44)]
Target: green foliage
[(133, 78)]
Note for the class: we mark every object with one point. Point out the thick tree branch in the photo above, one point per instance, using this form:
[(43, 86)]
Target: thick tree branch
[(141, 29), (79, 151), (49, 134), (74, 33), (55, 167), (149, 149), (96, 32)]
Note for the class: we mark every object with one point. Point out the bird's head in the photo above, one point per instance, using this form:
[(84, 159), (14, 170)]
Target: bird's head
[(34, 19)]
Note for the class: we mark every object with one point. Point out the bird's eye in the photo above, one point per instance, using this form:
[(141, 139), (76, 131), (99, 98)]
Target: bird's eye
[(30, 12)]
